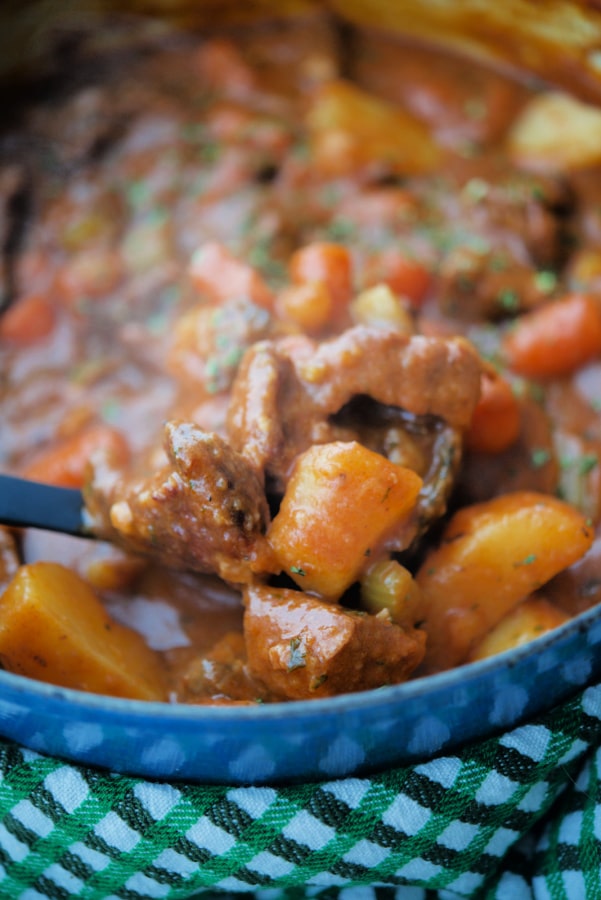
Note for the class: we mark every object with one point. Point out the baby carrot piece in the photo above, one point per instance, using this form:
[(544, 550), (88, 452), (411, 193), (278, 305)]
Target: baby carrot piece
[(555, 339), (406, 276), (29, 319), (330, 265), (307, 305), (216, 271), (65, 462), (495, 423)]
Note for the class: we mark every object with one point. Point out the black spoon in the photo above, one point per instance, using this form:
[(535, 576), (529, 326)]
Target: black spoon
[(30, 504)]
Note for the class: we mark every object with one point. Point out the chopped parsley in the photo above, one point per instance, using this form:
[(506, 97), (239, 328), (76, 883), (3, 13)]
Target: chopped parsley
[(583, 464), (341, 229), (509, 300), (526, 561), (545, 281), (539, 457)]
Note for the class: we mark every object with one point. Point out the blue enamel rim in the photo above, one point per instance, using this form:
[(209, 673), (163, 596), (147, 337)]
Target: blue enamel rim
[(347, 735)]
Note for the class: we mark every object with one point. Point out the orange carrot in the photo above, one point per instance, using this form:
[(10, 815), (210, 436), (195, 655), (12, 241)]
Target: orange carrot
[(406, 276), (221, 66), (495, 423), (307, 305), (217, 272), (65, 462), (330, 264), (555, 339), (29, 319)]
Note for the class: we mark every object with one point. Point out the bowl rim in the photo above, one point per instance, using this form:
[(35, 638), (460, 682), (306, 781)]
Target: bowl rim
[(386, 695)]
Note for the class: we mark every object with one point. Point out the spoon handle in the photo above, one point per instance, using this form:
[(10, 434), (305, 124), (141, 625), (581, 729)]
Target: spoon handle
[(30, 504)]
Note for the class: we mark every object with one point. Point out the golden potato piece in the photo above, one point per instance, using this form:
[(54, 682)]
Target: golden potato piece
[(53, 628), (351, 130), (531, 619), (493, 555), (340, 504), (556, 132)]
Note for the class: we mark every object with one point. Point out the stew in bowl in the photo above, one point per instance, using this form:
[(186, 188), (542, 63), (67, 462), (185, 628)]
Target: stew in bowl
[(318, 314)]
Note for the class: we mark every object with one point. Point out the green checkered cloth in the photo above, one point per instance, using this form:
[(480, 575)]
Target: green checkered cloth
[(515, 817)]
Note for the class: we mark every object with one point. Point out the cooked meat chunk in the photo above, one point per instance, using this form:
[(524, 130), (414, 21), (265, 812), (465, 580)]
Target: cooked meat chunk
[(301, 647), (209, 341), (475, 286), (204, 510), (283, 402), (523, 212), (425, 376), (221, 673)]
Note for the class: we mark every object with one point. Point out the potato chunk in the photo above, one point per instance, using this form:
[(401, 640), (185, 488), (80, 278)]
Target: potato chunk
[(529, 620), (341, 503), (301, 647), (53, 628), (351, 130), (493, 555), (557, 132)]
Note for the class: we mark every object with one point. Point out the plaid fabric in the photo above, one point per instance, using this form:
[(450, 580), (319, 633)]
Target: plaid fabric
[(516, 817)]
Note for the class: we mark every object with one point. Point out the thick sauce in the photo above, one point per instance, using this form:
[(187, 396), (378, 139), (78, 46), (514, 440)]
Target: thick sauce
[(111, 191)]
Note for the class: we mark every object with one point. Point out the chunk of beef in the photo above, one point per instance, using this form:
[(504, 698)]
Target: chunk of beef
[(475, 286), (423, 375), (220, 675), (302, 648), (523, 211), (209, 341), (204, 510), (283, 402)]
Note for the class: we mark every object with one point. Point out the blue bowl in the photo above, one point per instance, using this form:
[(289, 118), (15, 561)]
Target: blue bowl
[(353, 734)]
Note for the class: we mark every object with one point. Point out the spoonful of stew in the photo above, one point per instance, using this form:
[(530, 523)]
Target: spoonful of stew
[(207, 505)]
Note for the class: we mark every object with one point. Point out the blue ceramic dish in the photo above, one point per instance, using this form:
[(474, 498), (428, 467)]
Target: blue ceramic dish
[(285, 742)]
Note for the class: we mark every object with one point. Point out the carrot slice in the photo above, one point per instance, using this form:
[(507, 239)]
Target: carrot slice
[(307, 305), (214, 270), (555, 339), (328, 264), (405, 276), (30, 319), (495, 423), (65, 462)]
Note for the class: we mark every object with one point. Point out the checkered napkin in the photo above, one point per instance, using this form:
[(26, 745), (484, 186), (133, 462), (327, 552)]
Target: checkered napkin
[(514, 817)]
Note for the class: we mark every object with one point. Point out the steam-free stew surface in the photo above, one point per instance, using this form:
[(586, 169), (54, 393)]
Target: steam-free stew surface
[(361, 283)]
